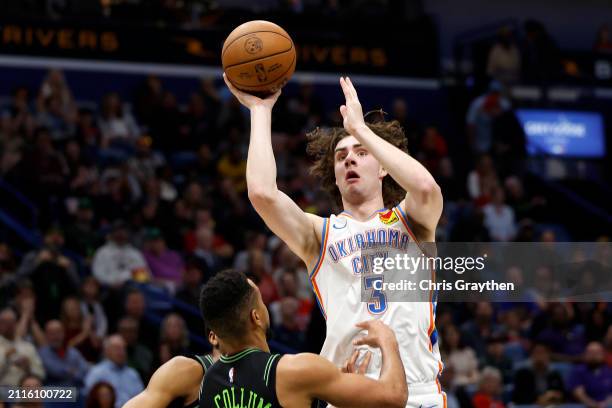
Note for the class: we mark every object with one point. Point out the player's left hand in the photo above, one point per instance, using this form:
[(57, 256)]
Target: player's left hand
[(351, 111), (351, 365)]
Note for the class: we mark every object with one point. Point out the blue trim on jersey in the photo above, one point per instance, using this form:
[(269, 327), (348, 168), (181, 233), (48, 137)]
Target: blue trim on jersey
[(434, 336), (321, 250), (399, 207)]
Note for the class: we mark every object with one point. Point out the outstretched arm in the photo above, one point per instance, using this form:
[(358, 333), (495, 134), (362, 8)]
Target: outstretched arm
[(304, 377), (423, 202), (179, 377), (283, 216)]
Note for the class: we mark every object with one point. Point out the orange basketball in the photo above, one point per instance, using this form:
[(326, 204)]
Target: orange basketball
[(258, 57)]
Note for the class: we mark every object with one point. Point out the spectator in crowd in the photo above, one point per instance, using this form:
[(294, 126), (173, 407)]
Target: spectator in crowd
[(504, 61), (591, 383), (174, 338), (41, 172), (118, 127), (147, 99), (233, 167), (135, 306), (53, 275), (205, 254), (496, 356), (603, 42), (146, 162), (166, 265), (287, 330), (462, 358), (540, 56), (113, 369), (499, 217), (476, 331), (433, 150), (253, 241), (198, 122), (79, 330), (82, 235), (538, 382), (139, 357), (565, 338), (55, 85), (25, 303), (118, 195), (288, 288), (517, 198), (7, 273), (166, 124), (87, 132), (64, 365), (261, 277), (286, 261), (17, 357), (192, 199), (117, 261), (482, 180), (30, 381), (91, 308), (489, 390), (189, 292), (102, 395), (481, 115)]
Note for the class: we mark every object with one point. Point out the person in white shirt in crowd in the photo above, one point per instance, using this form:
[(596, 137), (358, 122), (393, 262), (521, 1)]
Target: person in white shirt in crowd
[(117, 261), (18, 358), (499, 217)]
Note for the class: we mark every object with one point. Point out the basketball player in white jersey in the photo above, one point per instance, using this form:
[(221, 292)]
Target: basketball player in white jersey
[(364, 167)]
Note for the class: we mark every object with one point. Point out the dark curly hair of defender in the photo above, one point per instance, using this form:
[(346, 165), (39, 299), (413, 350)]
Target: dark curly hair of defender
[(323, 141), (225, 303)]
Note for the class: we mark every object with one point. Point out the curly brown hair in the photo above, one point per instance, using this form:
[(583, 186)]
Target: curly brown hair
[(322, 143)]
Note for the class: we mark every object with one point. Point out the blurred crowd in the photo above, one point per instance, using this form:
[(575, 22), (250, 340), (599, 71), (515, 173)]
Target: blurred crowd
[(530, 55), (148, 196)]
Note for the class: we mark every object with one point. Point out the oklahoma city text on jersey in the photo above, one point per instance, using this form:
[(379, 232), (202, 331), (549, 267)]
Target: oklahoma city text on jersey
[(372, 239)]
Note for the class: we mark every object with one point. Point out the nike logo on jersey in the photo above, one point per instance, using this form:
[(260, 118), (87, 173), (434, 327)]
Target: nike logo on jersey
[(339, 224)]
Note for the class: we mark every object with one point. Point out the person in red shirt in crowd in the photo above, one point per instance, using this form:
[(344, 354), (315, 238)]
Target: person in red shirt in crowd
[(489, 390)]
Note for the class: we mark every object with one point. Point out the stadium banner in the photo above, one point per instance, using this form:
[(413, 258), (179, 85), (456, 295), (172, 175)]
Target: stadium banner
[(563, 133), (394, 269), (316, 51)]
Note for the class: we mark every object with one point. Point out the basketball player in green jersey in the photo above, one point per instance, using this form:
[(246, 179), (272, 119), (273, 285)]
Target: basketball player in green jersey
[(247, 375), (178, 382)]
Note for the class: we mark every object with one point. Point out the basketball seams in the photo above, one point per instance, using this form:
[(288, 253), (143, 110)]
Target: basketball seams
[(292, 64), (260, 58), (251, 33)]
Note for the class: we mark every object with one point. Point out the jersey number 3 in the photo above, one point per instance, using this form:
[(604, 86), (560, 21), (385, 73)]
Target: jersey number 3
[(378, 300)]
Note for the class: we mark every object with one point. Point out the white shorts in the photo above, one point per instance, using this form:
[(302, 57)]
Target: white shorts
[(427, 395)]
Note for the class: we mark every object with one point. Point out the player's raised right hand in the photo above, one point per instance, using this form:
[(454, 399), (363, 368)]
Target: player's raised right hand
[(252, 101), (379, 334)]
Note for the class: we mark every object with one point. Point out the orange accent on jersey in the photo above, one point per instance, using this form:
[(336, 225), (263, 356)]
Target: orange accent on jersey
[(318, 267), (438, 382), (388, 218)]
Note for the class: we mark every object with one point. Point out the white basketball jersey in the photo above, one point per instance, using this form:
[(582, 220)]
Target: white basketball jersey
[(336, 281)]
